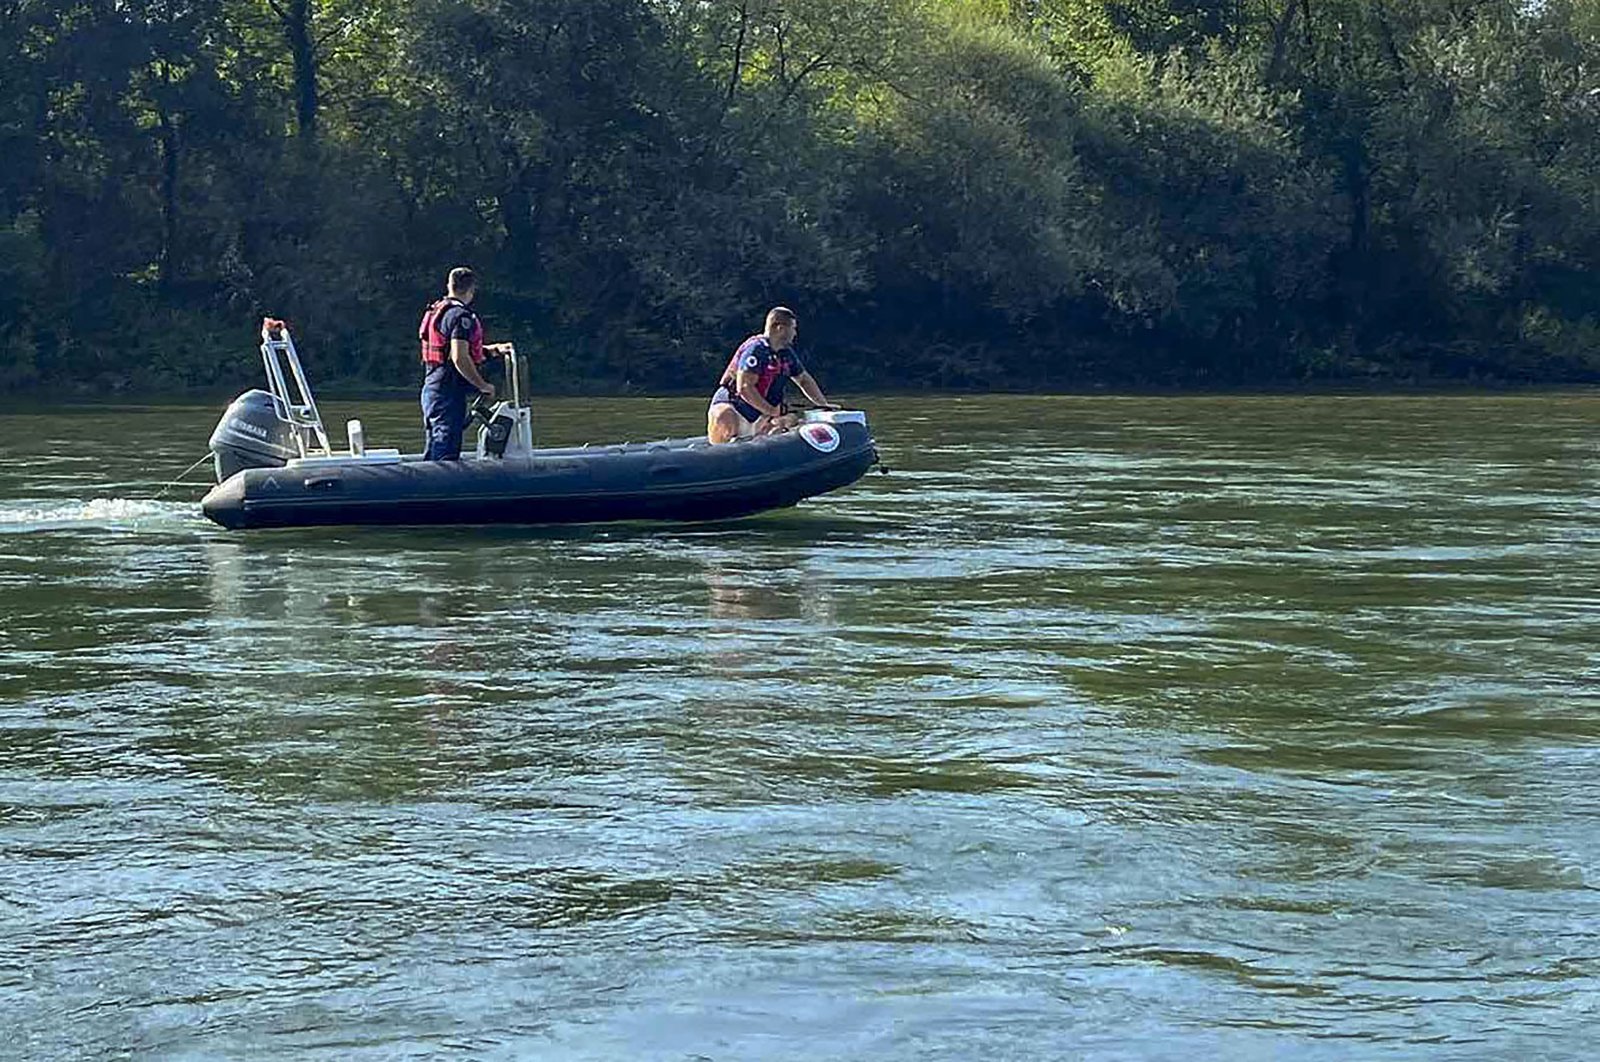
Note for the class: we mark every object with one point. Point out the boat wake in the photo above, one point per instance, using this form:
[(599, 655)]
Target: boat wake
[(52, 514)]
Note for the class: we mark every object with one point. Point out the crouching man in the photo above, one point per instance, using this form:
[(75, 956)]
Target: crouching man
[(749, 397)]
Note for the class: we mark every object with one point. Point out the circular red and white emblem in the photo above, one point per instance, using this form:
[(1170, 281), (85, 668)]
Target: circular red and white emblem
[(823, 438)]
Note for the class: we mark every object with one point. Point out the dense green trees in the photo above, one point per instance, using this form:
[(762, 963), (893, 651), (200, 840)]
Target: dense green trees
[(1017, 193)]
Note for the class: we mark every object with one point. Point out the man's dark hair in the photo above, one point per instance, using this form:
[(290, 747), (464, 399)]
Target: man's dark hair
[(780, 313), (461, 280)]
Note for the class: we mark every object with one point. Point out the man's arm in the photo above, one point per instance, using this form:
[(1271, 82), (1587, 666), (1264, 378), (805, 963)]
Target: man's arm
[(811, 389), (461, 358), (745, 384)]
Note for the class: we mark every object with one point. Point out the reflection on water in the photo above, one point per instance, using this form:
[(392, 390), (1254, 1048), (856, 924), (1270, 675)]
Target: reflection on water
[(1135, 729)]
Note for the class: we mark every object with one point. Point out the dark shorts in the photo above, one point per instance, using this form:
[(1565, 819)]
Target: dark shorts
[(746, 410)]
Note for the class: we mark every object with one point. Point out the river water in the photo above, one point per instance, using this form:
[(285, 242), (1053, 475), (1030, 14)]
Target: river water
[(1108, 728)]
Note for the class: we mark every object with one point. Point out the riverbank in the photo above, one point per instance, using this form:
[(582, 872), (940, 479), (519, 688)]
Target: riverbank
[(1444, 388)]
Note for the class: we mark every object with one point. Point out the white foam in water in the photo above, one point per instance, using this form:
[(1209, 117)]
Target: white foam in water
[(38, 514)]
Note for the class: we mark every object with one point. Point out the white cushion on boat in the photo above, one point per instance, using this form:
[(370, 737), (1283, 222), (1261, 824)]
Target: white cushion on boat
[(835, 416)]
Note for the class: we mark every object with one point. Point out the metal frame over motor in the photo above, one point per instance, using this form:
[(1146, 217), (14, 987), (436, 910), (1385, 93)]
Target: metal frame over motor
[(277, 351)]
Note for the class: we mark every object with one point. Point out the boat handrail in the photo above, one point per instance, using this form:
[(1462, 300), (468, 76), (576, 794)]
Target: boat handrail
[(517, 370), (277, 351)]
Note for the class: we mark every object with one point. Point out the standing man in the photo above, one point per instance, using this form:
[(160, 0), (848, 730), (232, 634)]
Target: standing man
[(749, 398), (452, 351)]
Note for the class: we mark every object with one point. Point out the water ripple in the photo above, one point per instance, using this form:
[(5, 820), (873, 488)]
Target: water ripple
[(1120, 728)]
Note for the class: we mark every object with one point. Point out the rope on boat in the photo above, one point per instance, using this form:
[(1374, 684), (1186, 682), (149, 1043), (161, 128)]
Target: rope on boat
[(179, 478)]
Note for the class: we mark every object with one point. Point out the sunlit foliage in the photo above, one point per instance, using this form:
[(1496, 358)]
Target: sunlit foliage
[(973, 193)]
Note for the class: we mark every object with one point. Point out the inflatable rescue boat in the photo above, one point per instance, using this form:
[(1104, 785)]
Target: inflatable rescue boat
[(276, 468)]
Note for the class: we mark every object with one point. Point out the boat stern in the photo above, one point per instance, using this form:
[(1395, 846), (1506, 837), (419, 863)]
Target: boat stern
[(224, 503)]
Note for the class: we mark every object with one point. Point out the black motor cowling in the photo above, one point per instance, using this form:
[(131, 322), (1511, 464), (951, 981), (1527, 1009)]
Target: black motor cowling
[(251, 435)]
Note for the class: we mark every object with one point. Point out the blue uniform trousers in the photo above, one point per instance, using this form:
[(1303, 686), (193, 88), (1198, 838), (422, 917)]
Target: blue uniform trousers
[(445, 394)]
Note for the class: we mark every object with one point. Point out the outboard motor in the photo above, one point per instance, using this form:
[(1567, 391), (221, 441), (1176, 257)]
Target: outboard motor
[(252, 435)]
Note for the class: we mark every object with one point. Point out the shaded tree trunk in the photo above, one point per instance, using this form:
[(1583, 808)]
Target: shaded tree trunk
[(166, 267), (738, 57), (295, 15), (518, 203), (1281, 28)]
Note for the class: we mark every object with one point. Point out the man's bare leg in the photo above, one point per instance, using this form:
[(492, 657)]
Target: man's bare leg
[(722, 423)]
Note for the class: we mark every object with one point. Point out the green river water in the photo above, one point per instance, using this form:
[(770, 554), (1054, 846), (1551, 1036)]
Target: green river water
[(1102, 728)]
